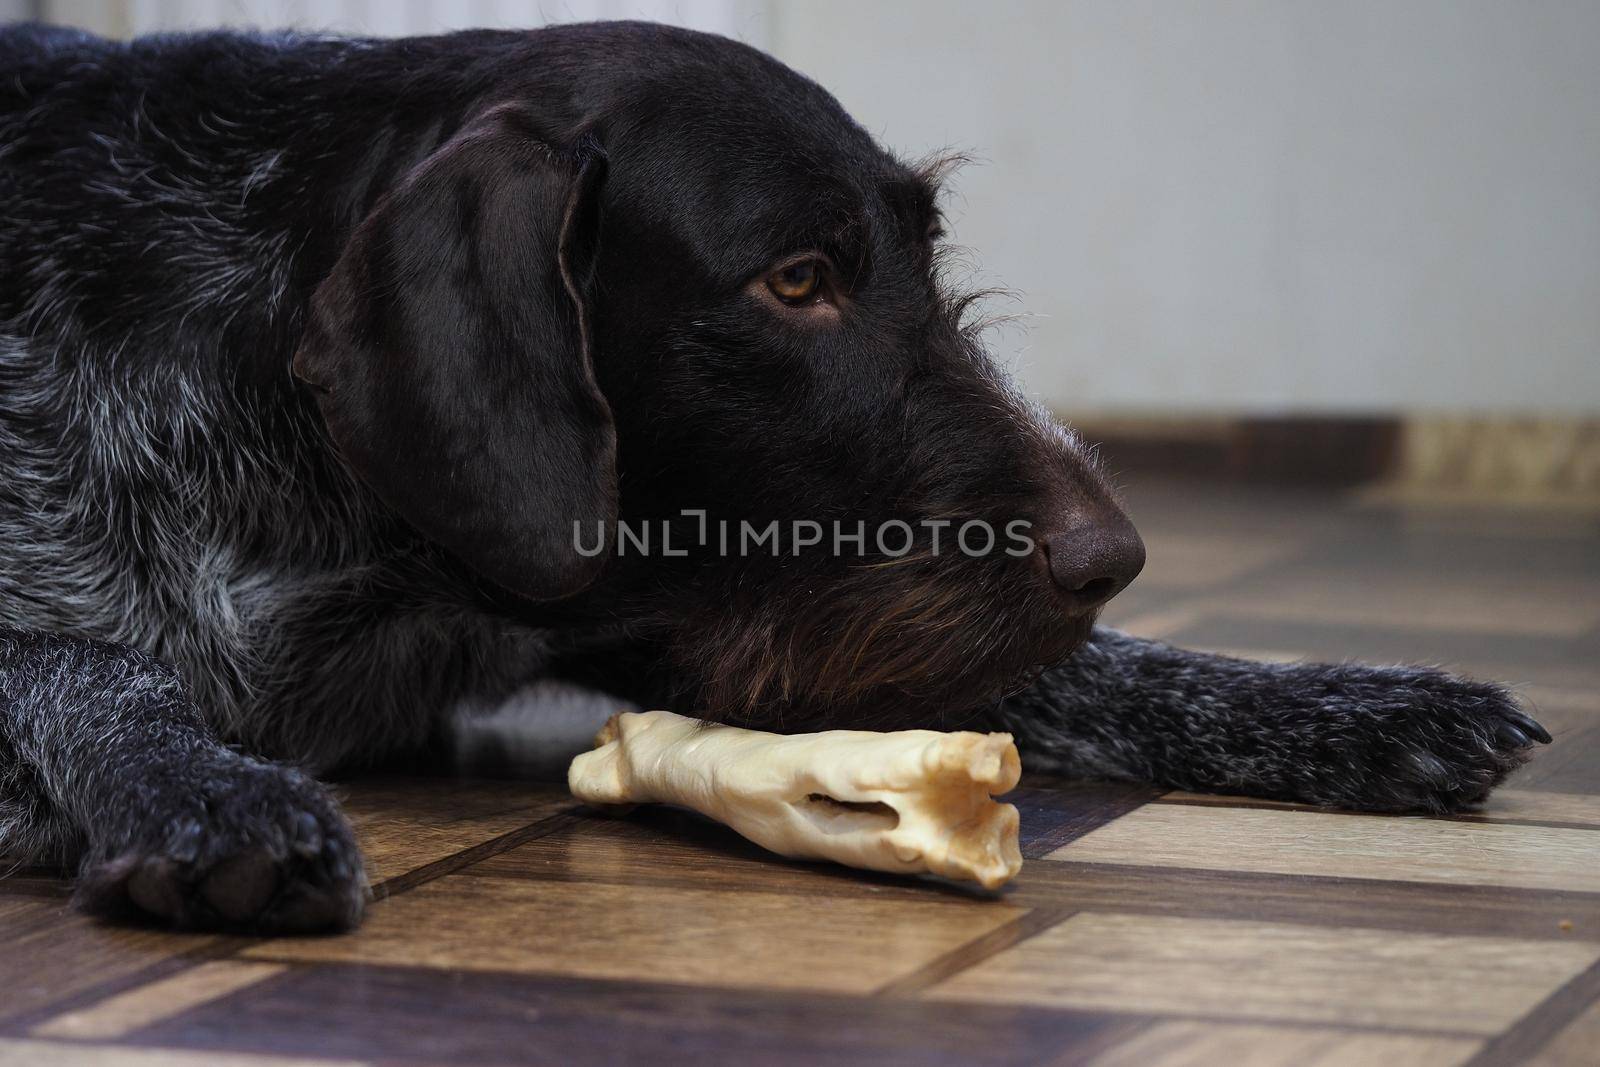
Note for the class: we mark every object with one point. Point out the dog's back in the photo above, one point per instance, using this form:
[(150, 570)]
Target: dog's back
[(140, 183), (165, 484)]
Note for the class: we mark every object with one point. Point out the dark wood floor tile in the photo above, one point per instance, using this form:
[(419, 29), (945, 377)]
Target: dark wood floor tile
[(1570, 765), (146, 1003), (1205, 508), (1509, 804), (1458, 553), (423, 1016), (1466, 910), (1559, 607), (1513, 804), (1511, 658), (37, 1052), (1055, 811)]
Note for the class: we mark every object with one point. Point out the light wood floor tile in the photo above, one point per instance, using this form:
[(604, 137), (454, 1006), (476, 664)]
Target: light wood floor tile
[(834, 944), (1347, 846), (1504, 805), (1194, 560), (1203, 1044), (406, 824), (62, 1054), (146, 1004), (1578, 1045), (1531, 805), (1275, 971), (1157, 623)]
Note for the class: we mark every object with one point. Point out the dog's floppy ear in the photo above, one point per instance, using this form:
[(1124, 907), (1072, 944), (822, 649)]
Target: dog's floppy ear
[(448, 350)]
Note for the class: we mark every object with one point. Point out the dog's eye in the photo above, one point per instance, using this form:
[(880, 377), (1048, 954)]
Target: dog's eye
[(798, 283)]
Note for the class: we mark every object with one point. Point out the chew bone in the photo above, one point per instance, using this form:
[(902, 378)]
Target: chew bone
[(908, 802)]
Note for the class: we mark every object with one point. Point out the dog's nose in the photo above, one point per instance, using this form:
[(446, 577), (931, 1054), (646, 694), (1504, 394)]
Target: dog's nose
[(1094, 559)]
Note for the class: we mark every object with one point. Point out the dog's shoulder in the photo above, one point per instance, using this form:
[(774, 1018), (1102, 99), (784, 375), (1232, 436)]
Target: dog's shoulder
[(37, 58), (20, 41)]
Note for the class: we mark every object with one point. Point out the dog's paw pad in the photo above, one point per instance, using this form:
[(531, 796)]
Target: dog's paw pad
[(239, 887), (155, 886)]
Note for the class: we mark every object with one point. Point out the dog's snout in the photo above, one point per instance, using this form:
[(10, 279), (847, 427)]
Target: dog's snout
[(1093, 560)]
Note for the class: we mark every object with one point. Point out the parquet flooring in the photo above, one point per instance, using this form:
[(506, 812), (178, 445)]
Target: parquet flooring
[(511, 926)]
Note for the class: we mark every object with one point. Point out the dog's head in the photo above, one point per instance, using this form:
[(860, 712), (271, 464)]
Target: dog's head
[(697, 286)]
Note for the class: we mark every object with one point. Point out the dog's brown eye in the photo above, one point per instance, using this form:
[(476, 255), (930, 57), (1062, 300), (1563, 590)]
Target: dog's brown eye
[(798, 283)]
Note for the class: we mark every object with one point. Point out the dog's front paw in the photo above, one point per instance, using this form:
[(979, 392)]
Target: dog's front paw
[(1423, 740), (254, 847)]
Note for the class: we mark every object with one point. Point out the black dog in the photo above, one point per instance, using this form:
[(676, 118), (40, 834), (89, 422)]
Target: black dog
[(317, 354)]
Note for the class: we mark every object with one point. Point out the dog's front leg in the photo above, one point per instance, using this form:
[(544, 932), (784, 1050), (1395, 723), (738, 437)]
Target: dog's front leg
[(105, 759), (1348, 735)]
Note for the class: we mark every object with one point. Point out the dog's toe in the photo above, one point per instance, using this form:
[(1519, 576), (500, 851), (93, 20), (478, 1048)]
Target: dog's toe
[(310, 907)]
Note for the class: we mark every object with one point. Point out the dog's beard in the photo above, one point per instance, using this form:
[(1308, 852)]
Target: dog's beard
[(918, 641)]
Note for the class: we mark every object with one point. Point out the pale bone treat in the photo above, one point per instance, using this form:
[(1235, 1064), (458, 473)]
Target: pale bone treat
[(910, 802)]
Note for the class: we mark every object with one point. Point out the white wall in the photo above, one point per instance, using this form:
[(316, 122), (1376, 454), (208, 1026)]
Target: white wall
[(1208, 204), (1262, 204), (744, 19)]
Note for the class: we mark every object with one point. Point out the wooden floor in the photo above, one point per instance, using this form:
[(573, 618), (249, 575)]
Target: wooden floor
[(512, 926)]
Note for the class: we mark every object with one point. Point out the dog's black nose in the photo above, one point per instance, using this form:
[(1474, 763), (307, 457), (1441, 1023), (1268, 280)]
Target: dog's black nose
[(1094, 559)]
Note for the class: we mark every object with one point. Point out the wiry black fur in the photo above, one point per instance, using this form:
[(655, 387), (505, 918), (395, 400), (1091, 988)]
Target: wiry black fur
[(312, 348)]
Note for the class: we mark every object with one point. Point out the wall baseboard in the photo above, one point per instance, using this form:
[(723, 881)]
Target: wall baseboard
[(1527, 458), (1512, 459), (1311, 450)]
